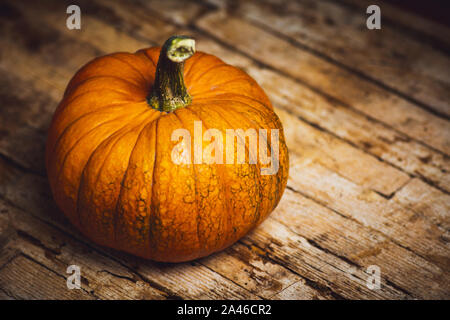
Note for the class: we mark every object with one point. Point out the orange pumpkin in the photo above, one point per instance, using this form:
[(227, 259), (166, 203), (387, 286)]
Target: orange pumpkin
[(109, 153)]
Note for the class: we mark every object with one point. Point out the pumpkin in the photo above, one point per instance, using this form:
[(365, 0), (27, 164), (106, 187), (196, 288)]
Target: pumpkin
[(110, 148)]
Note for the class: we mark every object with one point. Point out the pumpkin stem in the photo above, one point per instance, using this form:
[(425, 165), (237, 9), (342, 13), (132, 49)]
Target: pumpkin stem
[(169, 91)]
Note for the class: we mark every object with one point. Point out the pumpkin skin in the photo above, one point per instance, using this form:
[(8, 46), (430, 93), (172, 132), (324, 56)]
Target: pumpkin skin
[(109, 165)]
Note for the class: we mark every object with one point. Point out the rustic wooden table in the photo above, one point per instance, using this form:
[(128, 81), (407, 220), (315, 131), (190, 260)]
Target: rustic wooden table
[(366, 115)]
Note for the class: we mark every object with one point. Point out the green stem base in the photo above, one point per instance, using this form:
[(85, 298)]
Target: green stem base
[(169, 90)]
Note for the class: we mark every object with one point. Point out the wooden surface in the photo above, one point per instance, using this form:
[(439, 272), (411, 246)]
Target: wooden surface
[(366, 115)]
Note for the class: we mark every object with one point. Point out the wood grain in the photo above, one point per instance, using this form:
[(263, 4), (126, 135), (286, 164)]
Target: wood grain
[(336, 82), (427, 201), (337, 33), (429, 31), (23, 278)]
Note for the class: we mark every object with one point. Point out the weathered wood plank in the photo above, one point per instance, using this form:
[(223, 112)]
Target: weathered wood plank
[(409, 23), (4, 295), (362, 246), (299, 289), (426, 200), (354, 164), (102, 278), (7, 234), (403, 226), (103, 20), (328, 272), (374, 138), (340, 34), (251, 271), (23, 278), (181, 12), (330, 79)]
